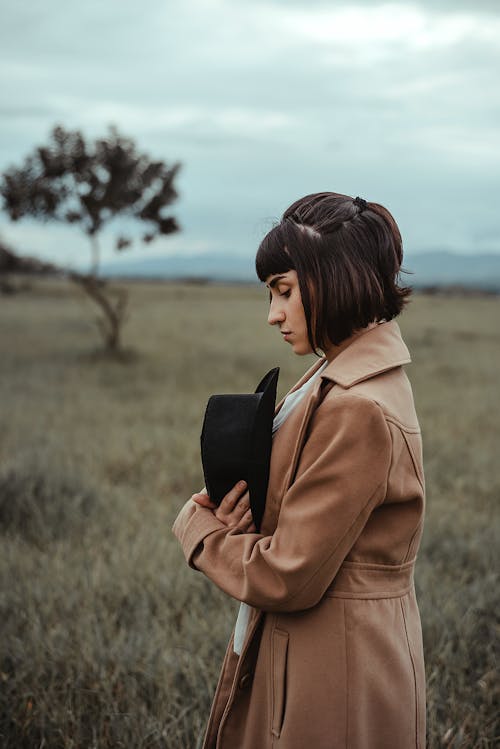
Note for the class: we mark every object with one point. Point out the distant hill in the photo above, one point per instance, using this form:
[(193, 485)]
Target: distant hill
[(440, 268), (216, 266)]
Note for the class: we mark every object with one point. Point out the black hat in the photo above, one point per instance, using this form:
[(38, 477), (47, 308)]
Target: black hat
[(236, 441)]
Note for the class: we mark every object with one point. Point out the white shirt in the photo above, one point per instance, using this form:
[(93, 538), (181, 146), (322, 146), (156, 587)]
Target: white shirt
[(291, 400)]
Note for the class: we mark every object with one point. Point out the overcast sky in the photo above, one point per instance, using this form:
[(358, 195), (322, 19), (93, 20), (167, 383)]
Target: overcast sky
[(264, 102)]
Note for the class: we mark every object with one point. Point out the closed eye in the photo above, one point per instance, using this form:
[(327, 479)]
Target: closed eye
[(285, 294)]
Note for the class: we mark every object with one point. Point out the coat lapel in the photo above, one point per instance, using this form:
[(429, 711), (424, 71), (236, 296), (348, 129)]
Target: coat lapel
[(287, 444), (372, 352), (312, 369)]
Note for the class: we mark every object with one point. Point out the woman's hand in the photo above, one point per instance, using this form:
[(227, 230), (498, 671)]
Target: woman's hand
[(234, 510)]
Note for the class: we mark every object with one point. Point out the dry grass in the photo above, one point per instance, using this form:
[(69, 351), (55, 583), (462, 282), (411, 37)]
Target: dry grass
[(108, 639)]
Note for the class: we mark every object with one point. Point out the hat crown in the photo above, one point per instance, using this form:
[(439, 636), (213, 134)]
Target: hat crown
[(236, 442)]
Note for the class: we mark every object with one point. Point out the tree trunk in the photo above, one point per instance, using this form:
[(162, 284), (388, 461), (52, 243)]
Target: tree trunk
[(94, 269), (113, 310)]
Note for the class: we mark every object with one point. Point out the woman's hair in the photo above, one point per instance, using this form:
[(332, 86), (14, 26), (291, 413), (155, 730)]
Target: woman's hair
[(347, 254)]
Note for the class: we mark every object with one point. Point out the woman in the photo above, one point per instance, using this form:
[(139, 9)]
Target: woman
[(327, 651)]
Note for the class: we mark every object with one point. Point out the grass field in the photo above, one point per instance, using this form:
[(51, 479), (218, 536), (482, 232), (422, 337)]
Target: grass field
[(108, 639)]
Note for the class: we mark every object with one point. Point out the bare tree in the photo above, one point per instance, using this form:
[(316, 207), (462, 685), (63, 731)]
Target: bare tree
[(89, 184)]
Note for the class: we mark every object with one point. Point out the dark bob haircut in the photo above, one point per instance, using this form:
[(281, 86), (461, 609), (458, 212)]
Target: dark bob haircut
[(347, 254)]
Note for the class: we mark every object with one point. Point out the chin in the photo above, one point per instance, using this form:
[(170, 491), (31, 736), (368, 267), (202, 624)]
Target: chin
[(301, 349)]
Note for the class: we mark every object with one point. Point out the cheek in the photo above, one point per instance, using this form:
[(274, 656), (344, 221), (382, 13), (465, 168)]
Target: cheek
[(299, 315)]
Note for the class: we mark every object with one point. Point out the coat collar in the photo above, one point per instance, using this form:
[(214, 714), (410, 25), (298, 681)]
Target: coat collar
[(372, 352)]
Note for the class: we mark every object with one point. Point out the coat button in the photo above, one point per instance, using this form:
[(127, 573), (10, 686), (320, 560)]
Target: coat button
[(245, 680)]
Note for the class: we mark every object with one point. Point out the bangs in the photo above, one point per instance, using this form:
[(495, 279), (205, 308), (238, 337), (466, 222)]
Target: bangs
[(272, 256)]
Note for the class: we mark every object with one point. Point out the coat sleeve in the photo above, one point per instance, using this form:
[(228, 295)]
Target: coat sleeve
[(341, 477)]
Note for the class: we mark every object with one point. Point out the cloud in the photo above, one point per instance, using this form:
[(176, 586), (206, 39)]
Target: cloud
[(381, 26), (430, 6), (265, 101)]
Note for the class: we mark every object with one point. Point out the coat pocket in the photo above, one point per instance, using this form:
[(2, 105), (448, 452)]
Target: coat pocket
[(279, 652)]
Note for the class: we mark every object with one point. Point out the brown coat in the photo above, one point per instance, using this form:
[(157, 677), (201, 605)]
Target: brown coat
[(333, 651)]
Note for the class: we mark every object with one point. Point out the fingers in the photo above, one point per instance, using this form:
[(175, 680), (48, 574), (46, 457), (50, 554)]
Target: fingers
[(203, 500), (234, 510), (231, 511), (232, 497), (242, 505), (245, 521)]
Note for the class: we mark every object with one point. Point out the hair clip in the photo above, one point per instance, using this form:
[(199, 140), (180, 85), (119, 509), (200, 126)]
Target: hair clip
[(361, 203)]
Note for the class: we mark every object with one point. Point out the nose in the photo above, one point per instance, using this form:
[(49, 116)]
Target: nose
[(276, 315)]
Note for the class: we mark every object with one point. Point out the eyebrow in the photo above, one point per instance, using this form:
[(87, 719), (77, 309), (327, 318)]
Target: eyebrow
[(275, 281)]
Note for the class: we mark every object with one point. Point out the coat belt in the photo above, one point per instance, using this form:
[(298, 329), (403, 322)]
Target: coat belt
[(360, 580)]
